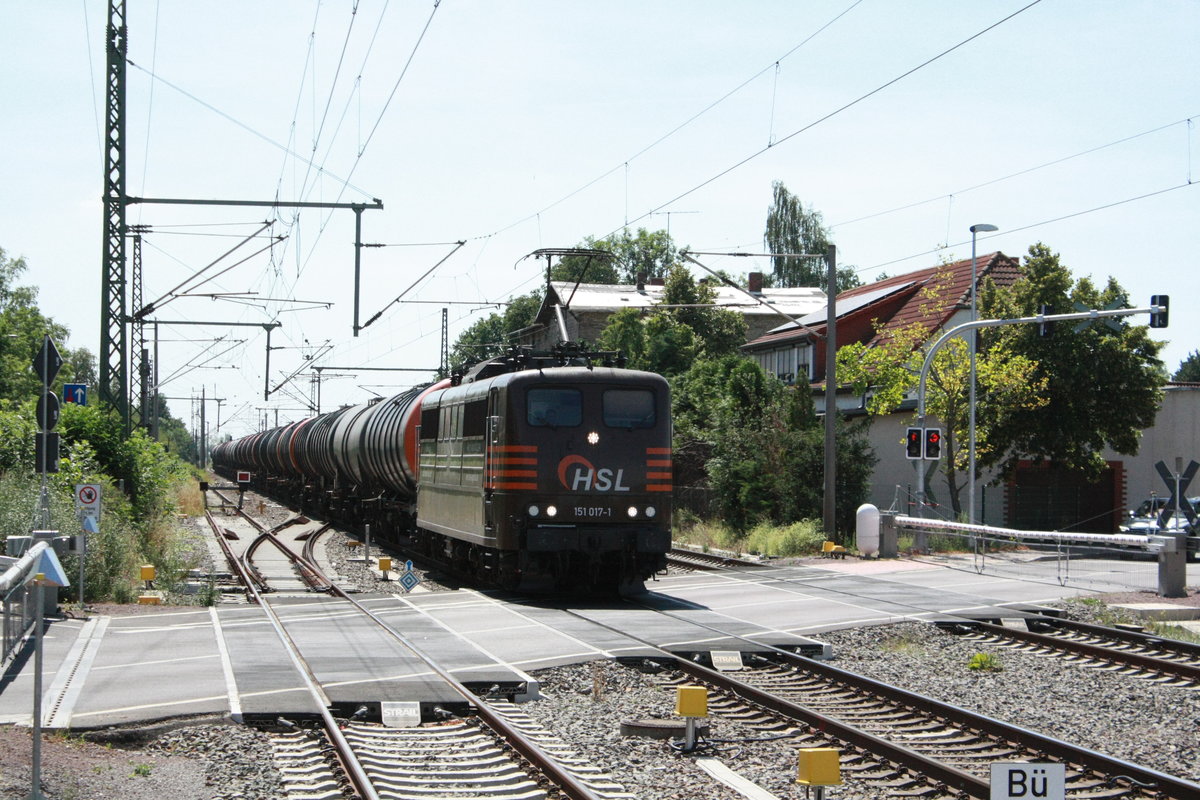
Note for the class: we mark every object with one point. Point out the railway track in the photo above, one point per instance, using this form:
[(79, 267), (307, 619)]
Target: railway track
[(907, 744), (695, 560), (493, 752), (1131, 652)]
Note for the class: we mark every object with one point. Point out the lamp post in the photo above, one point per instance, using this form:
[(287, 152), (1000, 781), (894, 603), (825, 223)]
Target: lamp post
[(981, 227)]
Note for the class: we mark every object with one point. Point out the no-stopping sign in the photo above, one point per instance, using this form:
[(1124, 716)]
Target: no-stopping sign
[(87, 499)]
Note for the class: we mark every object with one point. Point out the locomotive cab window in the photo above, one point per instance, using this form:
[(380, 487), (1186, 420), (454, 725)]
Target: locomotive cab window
[(629, 408), (554, 408)]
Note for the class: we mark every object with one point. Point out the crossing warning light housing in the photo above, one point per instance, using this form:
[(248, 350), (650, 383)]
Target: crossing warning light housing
[(933, 443), (913, 444)]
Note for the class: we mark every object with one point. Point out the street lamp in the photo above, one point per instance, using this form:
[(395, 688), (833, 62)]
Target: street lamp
[(984, 228)]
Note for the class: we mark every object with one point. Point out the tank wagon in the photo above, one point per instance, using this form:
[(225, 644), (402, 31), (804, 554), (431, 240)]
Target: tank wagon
[(530, 472)]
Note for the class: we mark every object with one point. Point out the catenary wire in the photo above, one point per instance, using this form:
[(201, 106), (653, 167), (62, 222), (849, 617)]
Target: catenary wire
[(625, 162), (828, 116)]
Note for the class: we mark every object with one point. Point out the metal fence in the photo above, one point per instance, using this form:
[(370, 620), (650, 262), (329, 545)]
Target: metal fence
[(1098, 562), (20, 609)]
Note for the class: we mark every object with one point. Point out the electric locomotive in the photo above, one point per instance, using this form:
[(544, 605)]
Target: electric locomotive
[(530, 472)]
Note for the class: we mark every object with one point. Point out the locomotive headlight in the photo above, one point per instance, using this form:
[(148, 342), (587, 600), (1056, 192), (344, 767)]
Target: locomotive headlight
[(632, 512), (651, 511), (593, 438), (551, 511), (534, 511)]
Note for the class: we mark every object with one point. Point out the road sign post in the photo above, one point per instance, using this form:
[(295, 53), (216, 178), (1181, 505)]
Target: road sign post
[(87, 507)]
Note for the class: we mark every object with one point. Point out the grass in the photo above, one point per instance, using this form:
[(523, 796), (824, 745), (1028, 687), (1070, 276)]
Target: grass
[(1167, 630), (905, 643), (802, 538)]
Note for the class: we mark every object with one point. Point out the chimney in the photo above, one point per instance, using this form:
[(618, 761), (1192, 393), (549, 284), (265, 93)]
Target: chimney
[(657, 282), (755, 283), (641, 281)]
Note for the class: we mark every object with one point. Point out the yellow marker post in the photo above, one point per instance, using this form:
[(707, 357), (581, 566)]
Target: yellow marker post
[(385, 566), (691, 702), (818, 767), (149, 573)]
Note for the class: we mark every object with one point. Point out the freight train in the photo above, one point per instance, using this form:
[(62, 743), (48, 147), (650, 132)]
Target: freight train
[(531, 472)]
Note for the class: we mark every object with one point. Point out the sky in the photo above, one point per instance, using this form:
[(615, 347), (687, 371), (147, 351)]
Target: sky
[(518, 126)]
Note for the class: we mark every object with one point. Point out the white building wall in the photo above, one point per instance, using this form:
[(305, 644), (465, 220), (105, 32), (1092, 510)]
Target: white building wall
[(1176, 434)]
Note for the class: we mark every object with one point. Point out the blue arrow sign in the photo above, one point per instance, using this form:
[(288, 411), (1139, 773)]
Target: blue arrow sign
[(75, 393)]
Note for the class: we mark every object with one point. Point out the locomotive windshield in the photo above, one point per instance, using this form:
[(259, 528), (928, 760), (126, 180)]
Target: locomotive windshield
[(629, 408), (554, 408)]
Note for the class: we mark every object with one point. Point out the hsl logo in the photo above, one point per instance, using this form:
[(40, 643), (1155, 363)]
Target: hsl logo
[(576, 474)]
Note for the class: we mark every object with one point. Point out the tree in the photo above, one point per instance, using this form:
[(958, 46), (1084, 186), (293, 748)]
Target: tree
[(1189, 369), (489, 337), (22, 328), (761, 445), (649, 253), (892, 368), (1103, 380), (794, 229), (670, 339)]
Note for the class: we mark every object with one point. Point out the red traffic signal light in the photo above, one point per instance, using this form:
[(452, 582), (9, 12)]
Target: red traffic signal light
[(933, 443), (913, 444)]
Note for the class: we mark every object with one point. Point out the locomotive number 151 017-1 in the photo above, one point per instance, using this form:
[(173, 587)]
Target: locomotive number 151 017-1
[(593, 511)]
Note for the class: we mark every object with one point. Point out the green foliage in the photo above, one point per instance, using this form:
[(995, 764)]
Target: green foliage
[(489, 337), (803, 538), (97, 444), (135, 526), (671, 340), (645, 253), (141, 771), (763, 445), (22, 328), (985, 662), (17, 441), (1189, 369), (1103, 385), (794, 229), (1005, 383)]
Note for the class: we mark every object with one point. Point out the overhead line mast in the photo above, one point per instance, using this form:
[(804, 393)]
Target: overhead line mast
[(114, 347)]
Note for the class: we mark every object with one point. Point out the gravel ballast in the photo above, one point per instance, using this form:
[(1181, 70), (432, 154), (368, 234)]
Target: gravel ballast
[(1135, 719), (1131, 718)]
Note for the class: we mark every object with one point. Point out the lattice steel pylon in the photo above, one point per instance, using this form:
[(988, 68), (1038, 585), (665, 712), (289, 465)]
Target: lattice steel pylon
[(444, 367), (114, 348), (140, 354)]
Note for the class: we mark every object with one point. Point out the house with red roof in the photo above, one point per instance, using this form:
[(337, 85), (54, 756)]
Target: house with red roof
[(1039, 496)]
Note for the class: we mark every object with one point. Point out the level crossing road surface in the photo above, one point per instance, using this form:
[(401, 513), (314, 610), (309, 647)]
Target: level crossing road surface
[(227, 660)]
